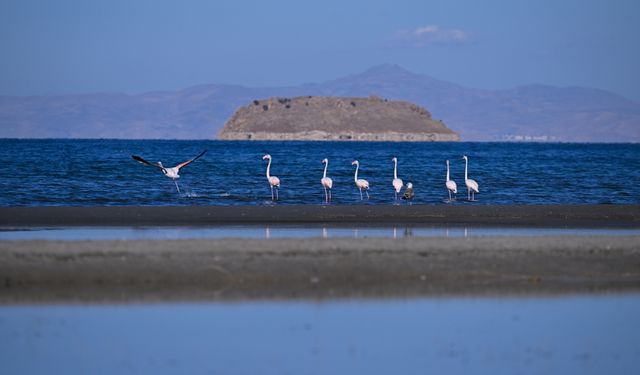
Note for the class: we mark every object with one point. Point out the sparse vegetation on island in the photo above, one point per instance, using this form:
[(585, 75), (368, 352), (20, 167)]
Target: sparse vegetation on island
[(335, 118)]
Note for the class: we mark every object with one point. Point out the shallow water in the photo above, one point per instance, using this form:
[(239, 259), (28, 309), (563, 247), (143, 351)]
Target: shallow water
[(284, 231), (101, 172), (570, 335)]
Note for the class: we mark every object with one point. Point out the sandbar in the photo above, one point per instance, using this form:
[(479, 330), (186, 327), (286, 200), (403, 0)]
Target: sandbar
[(236, 269), (595, 216)]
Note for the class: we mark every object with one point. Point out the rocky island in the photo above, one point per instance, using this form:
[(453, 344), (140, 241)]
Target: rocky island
[(334, 118)]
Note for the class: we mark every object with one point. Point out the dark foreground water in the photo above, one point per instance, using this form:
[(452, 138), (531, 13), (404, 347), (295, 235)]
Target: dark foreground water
[(101, 172), (570, 335)]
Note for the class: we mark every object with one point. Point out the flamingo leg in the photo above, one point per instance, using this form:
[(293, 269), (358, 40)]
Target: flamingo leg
[(326, 197), (176, 182), (271, 192), (329, 194), (277, 196), (449, 195), (360, 193), (366, 191)]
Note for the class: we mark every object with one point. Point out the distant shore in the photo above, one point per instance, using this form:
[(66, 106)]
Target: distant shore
[(594, 216), (317, 135)]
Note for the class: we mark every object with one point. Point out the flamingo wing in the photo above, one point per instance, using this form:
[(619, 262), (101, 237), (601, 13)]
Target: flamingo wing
[(141, 160), (473, 185), (184, 164), (363, 184), (328, 182), (451, 185), (274, 181), (397, 184)]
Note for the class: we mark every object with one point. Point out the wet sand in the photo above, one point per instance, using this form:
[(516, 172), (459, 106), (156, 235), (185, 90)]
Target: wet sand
[(314, 268), (595, 216), (33, 271)]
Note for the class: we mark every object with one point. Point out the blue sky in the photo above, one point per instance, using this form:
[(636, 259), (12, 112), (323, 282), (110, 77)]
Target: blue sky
[(75, 46)]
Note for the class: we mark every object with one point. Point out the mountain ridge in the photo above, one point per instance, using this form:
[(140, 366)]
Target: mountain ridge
[(527, 112)]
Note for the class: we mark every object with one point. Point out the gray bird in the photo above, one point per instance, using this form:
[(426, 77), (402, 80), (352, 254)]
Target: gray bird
[(408, 194)]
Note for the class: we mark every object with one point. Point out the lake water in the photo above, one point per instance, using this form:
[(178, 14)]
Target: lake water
[(589, 334), (570, 335), (101, 172), (295, 231)]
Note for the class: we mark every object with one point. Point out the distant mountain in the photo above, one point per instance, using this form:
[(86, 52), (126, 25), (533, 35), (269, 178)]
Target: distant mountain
[(534, 112)]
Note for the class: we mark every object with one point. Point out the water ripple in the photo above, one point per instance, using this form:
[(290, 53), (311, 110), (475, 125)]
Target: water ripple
[(101, 172)]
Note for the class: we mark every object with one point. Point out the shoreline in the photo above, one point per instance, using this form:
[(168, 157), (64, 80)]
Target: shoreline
[(237, 269), (568, 216)]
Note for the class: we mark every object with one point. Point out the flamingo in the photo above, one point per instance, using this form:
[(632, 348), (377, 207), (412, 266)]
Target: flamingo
[(472, 185), (360, 183), (397, 183), (273, 180), (451, 185), (169, 172), (408, 194), (326, 182)]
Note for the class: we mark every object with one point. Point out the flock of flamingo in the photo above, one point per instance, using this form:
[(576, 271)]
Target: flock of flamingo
[(327, 182)]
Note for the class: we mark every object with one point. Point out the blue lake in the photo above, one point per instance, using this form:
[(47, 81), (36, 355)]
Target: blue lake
[(101, 172), (294, 231), (592, 334)]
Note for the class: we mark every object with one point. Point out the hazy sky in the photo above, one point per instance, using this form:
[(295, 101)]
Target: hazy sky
[(77, 46)]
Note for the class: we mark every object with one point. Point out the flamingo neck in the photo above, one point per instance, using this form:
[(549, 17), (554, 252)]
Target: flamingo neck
[(326, 165), (447, 171), (268, 167), (465, 169), (355, 177), (395, 169)]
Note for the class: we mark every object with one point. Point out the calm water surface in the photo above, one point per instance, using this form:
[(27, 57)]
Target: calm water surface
[(101, 172), (267, 232), (570, 335)]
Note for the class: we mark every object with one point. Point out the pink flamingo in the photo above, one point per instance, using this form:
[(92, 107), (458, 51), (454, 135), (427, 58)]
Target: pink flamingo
[(172, 173), (360, 183), (326, 182), (451, 185), (274, 182), (397, 183), (472, 185)]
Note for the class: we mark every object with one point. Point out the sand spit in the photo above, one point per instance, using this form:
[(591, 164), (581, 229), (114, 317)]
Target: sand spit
[(109, 271), (115, 271), (596, 216)]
